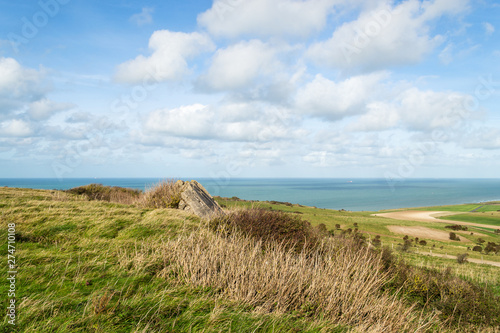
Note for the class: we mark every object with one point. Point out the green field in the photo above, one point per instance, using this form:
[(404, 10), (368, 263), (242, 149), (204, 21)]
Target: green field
[(483, 207), (480, 217), (95, 266)]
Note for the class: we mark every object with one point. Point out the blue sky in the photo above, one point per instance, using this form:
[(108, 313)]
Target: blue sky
[(250, 88)]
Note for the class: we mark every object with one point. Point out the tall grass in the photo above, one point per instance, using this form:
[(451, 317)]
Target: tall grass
[(335, 281), (164, 194)]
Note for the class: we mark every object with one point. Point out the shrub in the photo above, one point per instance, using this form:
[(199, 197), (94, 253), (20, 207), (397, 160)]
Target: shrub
[(459, 301), (321, 228), (480, 240), (454, 236), (107, 193), (462, 258), (457, 227), (165, 194), (422, 242), (477, 248), (406, 246), (270, 226), (491, 247), (337, 226)]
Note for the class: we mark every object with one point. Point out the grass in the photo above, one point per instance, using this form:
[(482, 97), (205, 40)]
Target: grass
[(482, 218), (99, 266), (481, 207)]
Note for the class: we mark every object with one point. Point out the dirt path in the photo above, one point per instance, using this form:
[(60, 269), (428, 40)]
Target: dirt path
[(427, 216)]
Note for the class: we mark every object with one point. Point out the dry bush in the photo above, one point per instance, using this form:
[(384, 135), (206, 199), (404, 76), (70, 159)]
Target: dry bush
[(462, 258), (336, 281), (460, 302), (270, 226), (165, 194), (107, 193)]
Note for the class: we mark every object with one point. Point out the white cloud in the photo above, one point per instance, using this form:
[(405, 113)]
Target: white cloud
[(415, 110), (239, 65), (380, 116), (144, 17), (327, 99), (18, 85), (238, 122), (263, 18), (191, 121), (15, 128), (385, 37), (427, 110), (171, 50), (45, 108), (483, 138), (489, 28)]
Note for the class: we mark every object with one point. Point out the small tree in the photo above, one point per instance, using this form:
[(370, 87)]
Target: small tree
[(462, 258), (477, 248), (406, 246)]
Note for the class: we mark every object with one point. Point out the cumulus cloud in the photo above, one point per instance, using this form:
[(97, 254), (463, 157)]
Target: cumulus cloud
[(144, 17), (238, 122), (264, 18), (191, 121), (18, 85), (15, 128), (331, 100), (170, 52), (386, 36), (45, 108), (415, 110), (239, 65), (380, 116)]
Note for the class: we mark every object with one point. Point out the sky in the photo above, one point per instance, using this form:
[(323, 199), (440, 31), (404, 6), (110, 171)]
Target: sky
[(250, 88)]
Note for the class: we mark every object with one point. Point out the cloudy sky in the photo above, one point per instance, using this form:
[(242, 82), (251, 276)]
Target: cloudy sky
[(250, 88)]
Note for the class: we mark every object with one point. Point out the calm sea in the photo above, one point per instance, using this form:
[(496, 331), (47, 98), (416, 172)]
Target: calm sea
[(349, 194)]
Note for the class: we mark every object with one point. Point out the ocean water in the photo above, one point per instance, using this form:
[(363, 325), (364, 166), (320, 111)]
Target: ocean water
[(349, 194)]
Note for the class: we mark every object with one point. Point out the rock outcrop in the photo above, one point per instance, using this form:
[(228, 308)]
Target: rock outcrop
[(196, 199)]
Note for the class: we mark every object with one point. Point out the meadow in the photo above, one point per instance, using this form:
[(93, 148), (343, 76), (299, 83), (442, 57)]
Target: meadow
[(115, 264)]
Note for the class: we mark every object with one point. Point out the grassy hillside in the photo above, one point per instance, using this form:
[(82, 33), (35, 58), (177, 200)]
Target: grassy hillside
[(98, 266)]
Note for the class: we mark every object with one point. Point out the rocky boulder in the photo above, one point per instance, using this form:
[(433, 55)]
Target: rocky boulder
[(196, 199)]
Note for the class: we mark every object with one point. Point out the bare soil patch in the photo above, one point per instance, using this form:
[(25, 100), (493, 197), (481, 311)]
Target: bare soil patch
[(427, 216), (421, 232)]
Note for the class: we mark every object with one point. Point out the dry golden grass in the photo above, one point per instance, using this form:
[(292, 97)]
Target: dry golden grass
[(165, 194), (336, 281)]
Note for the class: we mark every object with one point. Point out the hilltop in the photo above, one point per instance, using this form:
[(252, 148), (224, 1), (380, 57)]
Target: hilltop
[(94, 265)]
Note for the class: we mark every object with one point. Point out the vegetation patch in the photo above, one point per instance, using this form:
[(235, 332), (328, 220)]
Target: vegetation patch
[(266, 225), (107, 193)]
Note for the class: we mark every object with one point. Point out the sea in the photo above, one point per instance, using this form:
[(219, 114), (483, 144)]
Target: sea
[(349, 194)]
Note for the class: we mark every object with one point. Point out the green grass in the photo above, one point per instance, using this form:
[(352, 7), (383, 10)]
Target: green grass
[(373, 225), (78, 272), (81, 267), (482, 218), (481, 207)]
